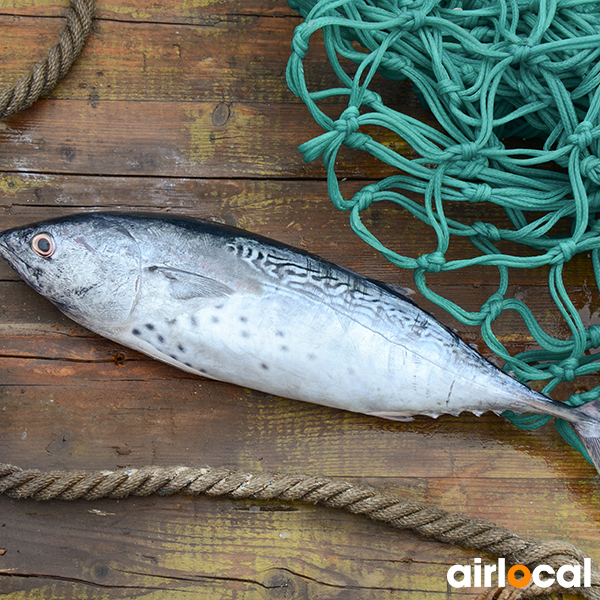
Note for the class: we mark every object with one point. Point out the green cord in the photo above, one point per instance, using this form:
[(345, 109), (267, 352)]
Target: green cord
[(487, 70)]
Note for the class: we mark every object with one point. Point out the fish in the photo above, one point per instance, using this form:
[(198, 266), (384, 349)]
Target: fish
[(229, 305)]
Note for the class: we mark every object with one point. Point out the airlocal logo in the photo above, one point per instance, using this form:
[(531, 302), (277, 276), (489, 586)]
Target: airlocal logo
[(478, 575)]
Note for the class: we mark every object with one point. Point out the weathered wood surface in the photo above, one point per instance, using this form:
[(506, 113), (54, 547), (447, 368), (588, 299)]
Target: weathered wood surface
[(183, 108)]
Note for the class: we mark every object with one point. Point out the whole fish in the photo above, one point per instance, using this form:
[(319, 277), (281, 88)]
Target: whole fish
[(229, 305)]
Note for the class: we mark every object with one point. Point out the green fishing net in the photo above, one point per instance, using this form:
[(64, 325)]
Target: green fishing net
[(489, 71)]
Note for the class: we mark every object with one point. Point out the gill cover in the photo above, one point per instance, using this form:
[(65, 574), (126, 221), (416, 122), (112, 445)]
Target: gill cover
[(86, 265)]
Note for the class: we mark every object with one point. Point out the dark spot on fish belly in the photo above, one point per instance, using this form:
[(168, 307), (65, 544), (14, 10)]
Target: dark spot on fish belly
[(279, 334), (136, 332), (245, 334), (180, 348), (311, 356), (219, 306), (173, 357), (284, 348), (150, 326), (264, 366), (214, 319), (244, 319), (161, 339), (200, 370), (193, 321)]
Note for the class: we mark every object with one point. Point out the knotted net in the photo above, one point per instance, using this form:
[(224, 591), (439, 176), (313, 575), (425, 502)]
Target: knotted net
[(488, 71)]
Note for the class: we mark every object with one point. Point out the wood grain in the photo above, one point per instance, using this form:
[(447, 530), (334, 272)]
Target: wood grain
[(182, 108)]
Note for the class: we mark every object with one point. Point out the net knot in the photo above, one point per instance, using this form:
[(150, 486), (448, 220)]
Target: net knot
[(487, 230), (447, 87), (493, 306), (583, 135), (348, 121), (364, 198), (416, 19), (299, 44), (565, 371), (370, 98), (564, 251), (594, 335), (521, 52), (478, 193), (395, 62), (431, 263), (465, 151), (590, 167)]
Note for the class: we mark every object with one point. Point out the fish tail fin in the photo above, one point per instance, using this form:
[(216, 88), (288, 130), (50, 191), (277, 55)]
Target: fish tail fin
[(588, 430)]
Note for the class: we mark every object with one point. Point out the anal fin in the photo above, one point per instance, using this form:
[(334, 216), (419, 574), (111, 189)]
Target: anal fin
[(394, 416)]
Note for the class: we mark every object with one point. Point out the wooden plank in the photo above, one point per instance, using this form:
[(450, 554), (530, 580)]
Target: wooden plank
[(219, 546), (162, 62), (228, 81), (190, 553), (169, 139), (101, 415), (167, 11)]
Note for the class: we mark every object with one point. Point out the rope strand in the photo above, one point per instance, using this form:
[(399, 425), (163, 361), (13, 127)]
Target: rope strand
[(391, 509)]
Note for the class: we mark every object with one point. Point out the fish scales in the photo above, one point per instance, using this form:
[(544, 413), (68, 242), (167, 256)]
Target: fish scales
[(232, 306)]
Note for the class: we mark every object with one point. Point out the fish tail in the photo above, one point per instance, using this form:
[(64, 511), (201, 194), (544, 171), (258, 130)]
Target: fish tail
[(588, 429)]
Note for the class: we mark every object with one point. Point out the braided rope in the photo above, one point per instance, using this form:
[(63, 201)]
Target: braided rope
[(42, 78), (429, 522), (488, 70)]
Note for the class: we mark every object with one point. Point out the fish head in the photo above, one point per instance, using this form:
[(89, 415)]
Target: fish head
[(88, 266)]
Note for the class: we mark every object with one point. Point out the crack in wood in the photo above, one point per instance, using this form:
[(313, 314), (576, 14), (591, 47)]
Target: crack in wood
[(347, 586), (79, 580), (275, 570)]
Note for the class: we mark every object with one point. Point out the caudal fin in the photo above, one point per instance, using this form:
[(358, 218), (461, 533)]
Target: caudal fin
[(588, 430)]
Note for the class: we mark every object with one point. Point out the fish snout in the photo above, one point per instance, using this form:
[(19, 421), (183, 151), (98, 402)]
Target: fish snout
[(12, 245), (7, 244)]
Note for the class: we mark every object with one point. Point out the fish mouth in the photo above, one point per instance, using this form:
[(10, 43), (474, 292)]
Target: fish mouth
[(6, 252), (11, 255)]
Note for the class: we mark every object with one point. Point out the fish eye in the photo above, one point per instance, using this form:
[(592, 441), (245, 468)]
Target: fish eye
[(43, 244)]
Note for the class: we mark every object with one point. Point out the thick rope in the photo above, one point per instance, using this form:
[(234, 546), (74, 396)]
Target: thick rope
[(46, 73), (398, 512)]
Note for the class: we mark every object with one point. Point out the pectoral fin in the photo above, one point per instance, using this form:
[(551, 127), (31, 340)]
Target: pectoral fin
[(185, 285)]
